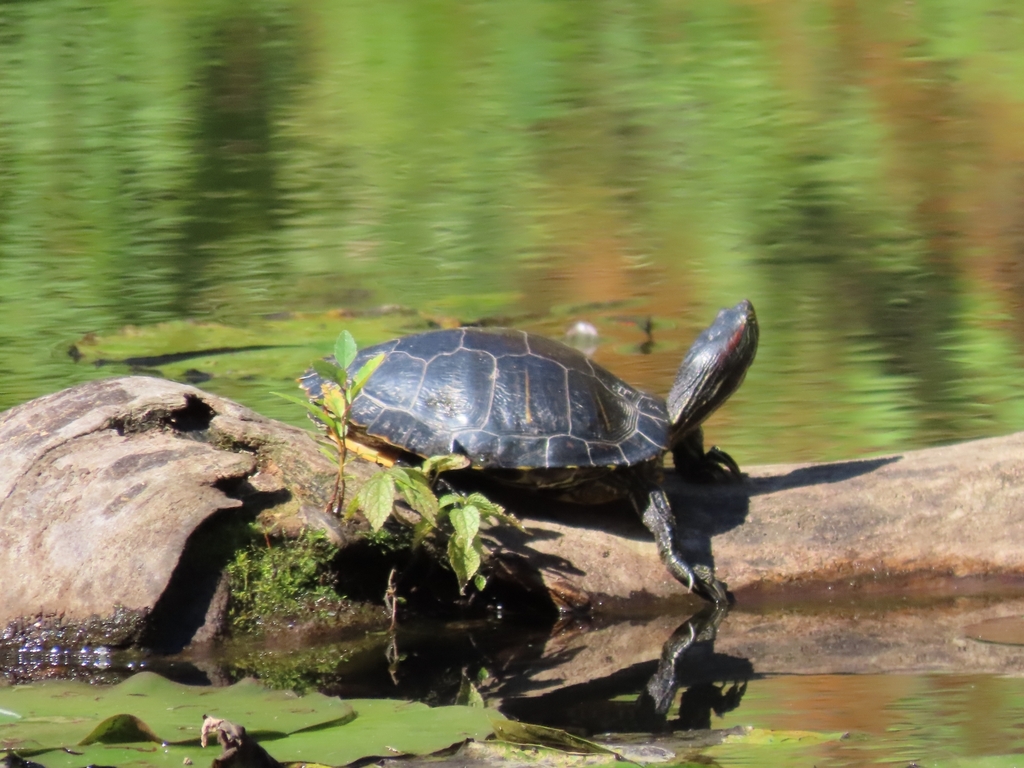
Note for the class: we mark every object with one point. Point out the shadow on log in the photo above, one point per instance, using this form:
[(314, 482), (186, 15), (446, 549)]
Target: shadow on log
[(910, 520)]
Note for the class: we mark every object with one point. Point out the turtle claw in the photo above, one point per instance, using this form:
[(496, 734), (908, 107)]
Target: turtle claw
[(705, 585), (696, 465), (653, 507), (725, 465), (708, 587), (713, 590), (714, 466)]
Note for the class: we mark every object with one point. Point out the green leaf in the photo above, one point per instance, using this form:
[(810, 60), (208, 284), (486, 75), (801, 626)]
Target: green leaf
[(399, 474), (344, 349), (466, 522), (51, 716), (330, 450), (468, 695), (758, 746), (353, 506), (363, 375), (337, 408), (435, 465), (420, 531), (389, 729), (542, 736), (490, 510), (487, 507), (450, 500), (120, 729), (465, 560), (315, 410), (334, 427), (416, 490), (377, 498), (479, 581), (62, 714), (330, 372)]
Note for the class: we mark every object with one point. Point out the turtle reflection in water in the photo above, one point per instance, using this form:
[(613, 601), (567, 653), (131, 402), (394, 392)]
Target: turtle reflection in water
[(536, 413)]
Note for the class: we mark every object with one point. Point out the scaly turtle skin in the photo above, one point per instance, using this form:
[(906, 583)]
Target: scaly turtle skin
[(534, 412)]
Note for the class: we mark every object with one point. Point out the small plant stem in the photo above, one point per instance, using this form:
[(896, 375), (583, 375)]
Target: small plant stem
[(343, 451), (391, 599), (338, 497), (393, 657)]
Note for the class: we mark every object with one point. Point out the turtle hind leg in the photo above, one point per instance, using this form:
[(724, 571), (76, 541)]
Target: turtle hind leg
[(696, 465), (654, 509)]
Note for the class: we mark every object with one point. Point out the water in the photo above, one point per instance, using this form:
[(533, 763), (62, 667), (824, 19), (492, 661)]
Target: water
[(844, 680), (856, 170)]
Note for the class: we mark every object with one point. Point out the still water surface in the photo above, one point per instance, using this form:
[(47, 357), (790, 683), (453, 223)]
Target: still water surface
[(856, 169)]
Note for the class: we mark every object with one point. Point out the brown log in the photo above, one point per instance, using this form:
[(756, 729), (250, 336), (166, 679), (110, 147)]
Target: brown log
[(104, 486), (914, 518)]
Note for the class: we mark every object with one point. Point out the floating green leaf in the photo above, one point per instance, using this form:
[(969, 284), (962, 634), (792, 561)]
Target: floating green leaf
[(120, 729), (760, 746), (49, 717), (389, 728), (542, 736)]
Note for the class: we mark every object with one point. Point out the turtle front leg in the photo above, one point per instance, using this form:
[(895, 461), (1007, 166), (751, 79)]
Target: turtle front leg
[(695, 465), (654, 509)]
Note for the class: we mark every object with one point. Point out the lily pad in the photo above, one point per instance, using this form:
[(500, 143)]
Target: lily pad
[(67, 723), (388, 728), (243, 363), (120, 729), (543, 736), (760, 746), (248, 362)]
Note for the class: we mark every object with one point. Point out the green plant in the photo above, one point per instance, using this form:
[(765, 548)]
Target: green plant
[(284, 582), (454, 516), (339, 391)]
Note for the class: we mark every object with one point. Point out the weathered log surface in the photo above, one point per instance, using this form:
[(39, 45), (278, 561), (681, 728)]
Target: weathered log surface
[(103, 484), (952, 511), (102, 487)]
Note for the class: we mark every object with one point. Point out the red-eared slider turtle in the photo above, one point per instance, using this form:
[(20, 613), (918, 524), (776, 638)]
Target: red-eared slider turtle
[(534, 412)]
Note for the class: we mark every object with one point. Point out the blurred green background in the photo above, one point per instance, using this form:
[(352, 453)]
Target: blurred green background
[(855, 168)]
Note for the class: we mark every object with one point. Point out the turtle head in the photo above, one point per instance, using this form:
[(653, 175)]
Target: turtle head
[(712, 370)]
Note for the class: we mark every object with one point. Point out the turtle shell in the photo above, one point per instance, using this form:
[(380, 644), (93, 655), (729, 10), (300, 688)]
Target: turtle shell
[(505, 399)]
